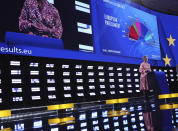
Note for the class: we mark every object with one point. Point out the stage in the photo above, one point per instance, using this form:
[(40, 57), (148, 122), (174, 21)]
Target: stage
[(137, 115)]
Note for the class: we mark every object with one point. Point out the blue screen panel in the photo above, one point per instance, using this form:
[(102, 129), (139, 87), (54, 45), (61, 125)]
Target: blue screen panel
[(124, 30)]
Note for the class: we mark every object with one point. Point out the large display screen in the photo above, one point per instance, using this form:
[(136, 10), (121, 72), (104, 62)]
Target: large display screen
[(44, 27), (49, 24), (124, 30)]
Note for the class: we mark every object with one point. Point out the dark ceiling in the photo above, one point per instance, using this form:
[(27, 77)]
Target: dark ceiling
[(164, 6)]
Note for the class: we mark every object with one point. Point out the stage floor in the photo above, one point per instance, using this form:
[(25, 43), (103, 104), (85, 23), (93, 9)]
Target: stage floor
[(138, 115)]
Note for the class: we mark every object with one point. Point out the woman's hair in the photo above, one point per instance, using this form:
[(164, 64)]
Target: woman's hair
[(145, 57)]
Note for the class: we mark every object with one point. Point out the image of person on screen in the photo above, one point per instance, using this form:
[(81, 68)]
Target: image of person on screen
[(39, 17), (144, 70)]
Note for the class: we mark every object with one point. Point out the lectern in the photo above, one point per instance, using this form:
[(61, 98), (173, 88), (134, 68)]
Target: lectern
[(158, 82)]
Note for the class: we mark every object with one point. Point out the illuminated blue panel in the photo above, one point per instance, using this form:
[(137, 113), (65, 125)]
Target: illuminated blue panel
[(37, 124), (80, 6), (124, 30), (84, 28)]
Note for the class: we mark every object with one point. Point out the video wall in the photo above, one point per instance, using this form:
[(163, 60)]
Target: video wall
[(33, 27), (27, 81), (46, 24)]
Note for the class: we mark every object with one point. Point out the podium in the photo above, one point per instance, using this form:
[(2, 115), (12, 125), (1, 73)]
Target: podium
[(22, 40), (158, 82), (162, 81)]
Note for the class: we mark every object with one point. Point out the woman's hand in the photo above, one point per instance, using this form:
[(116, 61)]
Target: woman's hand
[(41, 28), (30, 33), (44, 36), (147, 71)]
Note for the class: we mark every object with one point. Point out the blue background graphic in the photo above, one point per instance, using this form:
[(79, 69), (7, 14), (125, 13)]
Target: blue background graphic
[(115, 39)]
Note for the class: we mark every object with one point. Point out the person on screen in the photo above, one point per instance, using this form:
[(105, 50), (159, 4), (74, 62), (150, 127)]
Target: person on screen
[(144, 69), (39, 17)]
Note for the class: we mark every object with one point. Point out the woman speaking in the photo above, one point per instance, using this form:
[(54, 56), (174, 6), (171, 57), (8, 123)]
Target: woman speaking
[(39, 17), (144, 69)]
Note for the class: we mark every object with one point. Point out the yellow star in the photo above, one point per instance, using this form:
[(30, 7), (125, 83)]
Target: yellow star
[(167, 60), (171, 41)]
